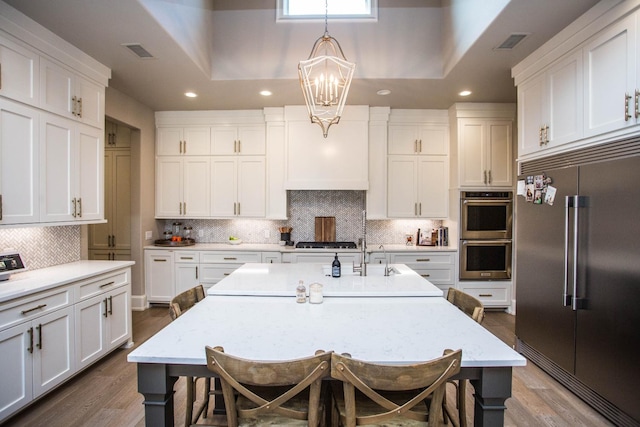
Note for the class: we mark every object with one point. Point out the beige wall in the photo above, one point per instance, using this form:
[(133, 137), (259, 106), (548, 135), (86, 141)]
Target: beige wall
[(132, 113)]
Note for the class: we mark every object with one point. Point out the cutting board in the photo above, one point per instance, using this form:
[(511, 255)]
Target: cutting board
[(325, 229)]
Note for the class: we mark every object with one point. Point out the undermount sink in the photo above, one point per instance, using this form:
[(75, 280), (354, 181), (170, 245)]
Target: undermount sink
[(372, 270)]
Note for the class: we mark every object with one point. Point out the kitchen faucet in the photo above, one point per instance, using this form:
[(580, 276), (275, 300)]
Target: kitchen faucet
[(362, 268), (387, 270)]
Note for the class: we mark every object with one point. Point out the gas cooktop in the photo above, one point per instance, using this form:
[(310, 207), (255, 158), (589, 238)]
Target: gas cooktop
[(326, 245)]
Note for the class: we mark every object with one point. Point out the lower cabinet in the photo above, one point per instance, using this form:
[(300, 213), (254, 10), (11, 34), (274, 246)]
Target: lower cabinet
[(48, 337), (490, 293), (436, 267), (325, 257), (158, 275)]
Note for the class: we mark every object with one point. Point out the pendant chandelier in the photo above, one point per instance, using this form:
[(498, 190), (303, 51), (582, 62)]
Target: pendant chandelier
[(325, 79)]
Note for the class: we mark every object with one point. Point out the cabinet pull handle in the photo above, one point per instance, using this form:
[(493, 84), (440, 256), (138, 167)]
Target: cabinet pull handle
[(420, 209), (229, 258), (180, 207), (111, 305), (186, 257), (159, 260), (415, 209), (196, 273), (73, 202), (540, 131), (113, 240), (485, 177), (39, 328), (423, 259), (80, 107), (627, 116), (420, 146), (546, 134), (73, 106), (234, 208), (108, 284), (238, 208), (426, 275), (486, 295), (489, 177), (33, 309), (106, 307), (184, 209), (30, 332), (0, 207), (637, 106)]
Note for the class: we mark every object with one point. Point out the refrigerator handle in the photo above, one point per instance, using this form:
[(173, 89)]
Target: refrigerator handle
[(579, 202), (566, 297)]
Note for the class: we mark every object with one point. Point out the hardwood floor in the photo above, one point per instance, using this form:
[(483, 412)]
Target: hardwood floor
[(106, 394)]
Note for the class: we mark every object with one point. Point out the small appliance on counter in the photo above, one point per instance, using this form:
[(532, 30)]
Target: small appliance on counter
[(10, 262), (285, 236)]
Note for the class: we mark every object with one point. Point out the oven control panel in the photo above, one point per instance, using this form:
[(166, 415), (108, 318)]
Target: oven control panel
[(10, 262)]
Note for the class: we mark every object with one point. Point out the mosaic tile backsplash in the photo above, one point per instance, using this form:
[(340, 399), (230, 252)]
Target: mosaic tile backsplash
[(42, 247), (304, 206)]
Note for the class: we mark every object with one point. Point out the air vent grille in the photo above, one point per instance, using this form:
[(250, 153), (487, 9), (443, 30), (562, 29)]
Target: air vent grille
[(138, 50), (512, 41)]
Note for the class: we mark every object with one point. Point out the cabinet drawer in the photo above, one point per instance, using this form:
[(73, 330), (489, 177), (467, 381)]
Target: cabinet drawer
[(435, 275), (17, 311), (490, 296), (191, 257), (428, 258), (96, 286), (230, 257)]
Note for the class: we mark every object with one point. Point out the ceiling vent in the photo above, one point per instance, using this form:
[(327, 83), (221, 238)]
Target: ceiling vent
[(512, 41), (138, 50)]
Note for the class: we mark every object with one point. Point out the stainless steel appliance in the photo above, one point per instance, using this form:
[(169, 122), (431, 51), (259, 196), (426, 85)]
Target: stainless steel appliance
[(10, 262), (326, 245), (486, 214), (486, 219), (485, 259), (578, 276)]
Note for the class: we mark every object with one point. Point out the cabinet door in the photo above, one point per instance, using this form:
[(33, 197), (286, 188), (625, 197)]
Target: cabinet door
[(120, 212), (433, 187), (169, 141), (90, 109), (251, 187), (90, 330), (197, 141), (224, 140), (19, 164), (251, 140), (57, 88), (566, 97), (433, 139), (169, 186), (197, 187), (19, 72), (499, 153), (16, 369), (610, 76), (403, 139), (89, 181), (223, 186), (119, 316), (472, 164), (186, 277), (158, 274), (54, 350), (57, 173), (532, 114), (402, 196)]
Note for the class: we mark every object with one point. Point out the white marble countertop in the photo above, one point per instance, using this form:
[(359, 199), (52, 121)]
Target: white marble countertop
[(384, 330), (271, 247), (32, 281), (282, 279)]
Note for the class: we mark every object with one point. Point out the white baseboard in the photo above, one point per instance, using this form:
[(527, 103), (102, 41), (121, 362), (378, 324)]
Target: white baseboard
[(512, 308), (139, 303)]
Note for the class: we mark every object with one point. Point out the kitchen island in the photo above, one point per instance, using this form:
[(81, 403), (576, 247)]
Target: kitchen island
[(386, 329)]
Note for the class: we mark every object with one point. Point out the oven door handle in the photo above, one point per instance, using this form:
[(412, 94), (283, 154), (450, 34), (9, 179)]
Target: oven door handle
[(487, 201)]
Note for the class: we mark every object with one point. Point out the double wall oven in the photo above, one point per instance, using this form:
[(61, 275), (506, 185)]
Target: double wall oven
[(485, 235)]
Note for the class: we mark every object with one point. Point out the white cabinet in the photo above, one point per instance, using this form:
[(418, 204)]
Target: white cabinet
[(116, 136), (436, 267), (485, 156), (238, 186), (72, 174), (64, 92), (216, 265), (418, 186), (183, 186), (610, 75), (115, 235), (271, 257), (19, 164), (159, 275), (425, 139), (19, 71), (37, 344), (550, 106), (186, 141), (491, 294), (186, 269), (324, 257), (240, 140)]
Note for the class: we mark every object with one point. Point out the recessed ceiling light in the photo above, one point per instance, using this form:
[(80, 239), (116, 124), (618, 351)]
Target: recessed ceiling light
[(465, 93), (383, 92), (265, 93), (190, 94)]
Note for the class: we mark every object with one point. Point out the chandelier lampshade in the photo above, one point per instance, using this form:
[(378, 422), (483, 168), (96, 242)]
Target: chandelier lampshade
[(325, 79)]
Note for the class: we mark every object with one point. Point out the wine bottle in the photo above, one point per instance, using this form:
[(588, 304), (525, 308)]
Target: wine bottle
[(335, 267)]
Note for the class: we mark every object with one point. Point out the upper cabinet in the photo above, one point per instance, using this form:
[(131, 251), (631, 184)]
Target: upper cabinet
[(183, 141), (51, 131), (583, 86), (482, 145), (238, 140), (417, 138)]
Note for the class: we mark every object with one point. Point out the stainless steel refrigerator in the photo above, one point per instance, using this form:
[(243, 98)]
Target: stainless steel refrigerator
[(578, 276)]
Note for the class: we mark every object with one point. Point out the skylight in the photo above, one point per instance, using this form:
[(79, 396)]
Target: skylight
[(336, 9)]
